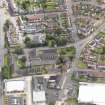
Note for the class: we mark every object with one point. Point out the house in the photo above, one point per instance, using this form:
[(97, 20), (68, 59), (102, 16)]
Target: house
[(31, 28), (38, 38), (98, 39), (35, 18), (90, 73), (101, 66), (30, 25), (13, 36), (85, 31), (1, 3), (92, 44)]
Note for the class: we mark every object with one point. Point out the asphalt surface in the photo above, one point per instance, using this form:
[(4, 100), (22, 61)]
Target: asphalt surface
[(70, 13), (1, 36), (68, 84), (2, 50), (79, 45)]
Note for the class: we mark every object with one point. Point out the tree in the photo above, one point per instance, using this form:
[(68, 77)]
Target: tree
[(6, 72), (27, 41), (60, 60), (23, 59), (51, 103), (51, 43), (6, 25), (25, 5), (103, 50), (43, 4), (18, 50), (61, 41)]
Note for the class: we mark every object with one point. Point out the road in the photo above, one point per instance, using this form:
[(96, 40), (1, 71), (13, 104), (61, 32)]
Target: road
[(79, 45), (72, 18), (1, 36), (2, 50)]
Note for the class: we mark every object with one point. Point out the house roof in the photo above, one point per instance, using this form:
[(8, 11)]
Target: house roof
[(98, 74), (32, 54), (45, 57), (92, 73), (85, 104), (49, 51), (12, 100), (50, 54), (35, 17)]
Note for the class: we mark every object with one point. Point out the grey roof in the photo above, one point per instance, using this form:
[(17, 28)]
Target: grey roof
[(57, 81), (86, 104), (32, 54), (12, 100), (49, 51), (46, 57), (50, 54), (36, 61), (38, 83)]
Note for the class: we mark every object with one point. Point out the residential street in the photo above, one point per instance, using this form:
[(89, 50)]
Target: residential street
[(29, 57), (79, 47), (1, 36), (70, 13), (2, 50)]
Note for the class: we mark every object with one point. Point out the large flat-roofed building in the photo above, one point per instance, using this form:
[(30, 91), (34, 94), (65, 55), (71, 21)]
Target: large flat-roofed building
[(15, 100), (92, 93), (38, 91), (39, 97), (17, 91), (14, 86), (85, 104)]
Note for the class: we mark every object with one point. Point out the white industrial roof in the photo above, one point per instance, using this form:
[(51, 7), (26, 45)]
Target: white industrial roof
[(14, 85), (39, 96), (92, 93)]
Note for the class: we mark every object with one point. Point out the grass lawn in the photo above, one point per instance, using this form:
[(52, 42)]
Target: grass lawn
[(82, 65), (102, 34), (71, 100), (6, 57), (83, 78), (51, 6), (99, 50), (69, 52), (102, 58)]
